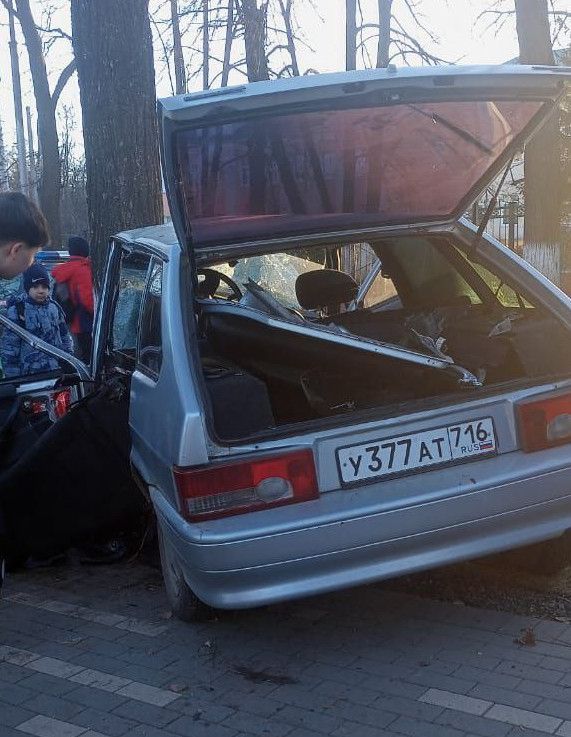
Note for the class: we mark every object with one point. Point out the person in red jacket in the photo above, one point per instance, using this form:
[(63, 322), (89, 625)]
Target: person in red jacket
[(76, 276)]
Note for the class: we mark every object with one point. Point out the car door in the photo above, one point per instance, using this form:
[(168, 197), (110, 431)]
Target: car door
[(71, 482)]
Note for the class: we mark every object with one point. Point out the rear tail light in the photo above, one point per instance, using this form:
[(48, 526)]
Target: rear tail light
[(247, 486), (62, 402), (545, 423), (55, 405)]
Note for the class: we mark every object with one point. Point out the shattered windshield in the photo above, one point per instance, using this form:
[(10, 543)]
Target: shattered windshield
[(275, 272)]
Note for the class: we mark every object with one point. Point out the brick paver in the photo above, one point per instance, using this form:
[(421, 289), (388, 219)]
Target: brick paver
[(94, 652)]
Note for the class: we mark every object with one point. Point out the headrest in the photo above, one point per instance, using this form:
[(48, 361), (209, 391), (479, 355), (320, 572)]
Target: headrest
[(324, 288)]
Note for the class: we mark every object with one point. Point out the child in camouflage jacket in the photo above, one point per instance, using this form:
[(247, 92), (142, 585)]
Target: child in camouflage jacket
[(40, 315)]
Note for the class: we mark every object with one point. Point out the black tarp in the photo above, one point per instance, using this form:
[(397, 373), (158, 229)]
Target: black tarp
[(74, 484)]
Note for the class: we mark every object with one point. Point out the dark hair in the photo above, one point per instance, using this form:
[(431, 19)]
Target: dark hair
[(21, 220), (77, 246)]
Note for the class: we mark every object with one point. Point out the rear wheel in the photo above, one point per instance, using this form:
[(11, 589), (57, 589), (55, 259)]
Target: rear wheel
[(184, 603)]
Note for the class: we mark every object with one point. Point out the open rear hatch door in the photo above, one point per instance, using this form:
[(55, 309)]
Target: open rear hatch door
[(344, 154)]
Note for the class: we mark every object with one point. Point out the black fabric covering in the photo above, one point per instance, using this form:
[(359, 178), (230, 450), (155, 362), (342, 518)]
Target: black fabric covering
[(74, 485), (325, 288), (240, 402)]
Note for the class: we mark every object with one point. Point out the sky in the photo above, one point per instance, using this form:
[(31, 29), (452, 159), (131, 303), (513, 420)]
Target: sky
[(462, 39)]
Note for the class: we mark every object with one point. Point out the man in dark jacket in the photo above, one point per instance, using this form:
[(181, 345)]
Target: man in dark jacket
[(74, 277)]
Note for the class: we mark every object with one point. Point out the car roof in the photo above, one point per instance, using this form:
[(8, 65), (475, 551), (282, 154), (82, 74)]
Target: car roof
[(162, 237), (50, 255)]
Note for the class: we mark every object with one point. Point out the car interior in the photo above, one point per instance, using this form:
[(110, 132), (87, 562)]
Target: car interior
[(429, 297)]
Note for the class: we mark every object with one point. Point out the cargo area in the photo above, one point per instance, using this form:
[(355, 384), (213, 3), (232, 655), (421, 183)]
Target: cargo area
[(297, 336)]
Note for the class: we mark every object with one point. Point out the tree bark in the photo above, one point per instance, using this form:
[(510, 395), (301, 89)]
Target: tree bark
[(542, 156), (179, 68), (114, 55), (49, 186)]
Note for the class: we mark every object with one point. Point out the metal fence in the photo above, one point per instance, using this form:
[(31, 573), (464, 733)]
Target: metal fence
[(505, 223)]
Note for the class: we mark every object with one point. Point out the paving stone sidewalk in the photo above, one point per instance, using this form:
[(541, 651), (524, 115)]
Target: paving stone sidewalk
[(91, 651)]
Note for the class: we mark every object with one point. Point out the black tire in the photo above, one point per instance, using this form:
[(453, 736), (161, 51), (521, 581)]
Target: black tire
[(184, 603)]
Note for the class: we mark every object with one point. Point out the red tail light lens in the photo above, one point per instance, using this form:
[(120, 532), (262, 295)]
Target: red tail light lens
[(247, 486), (545, 423), (62, 402), (55, 405)]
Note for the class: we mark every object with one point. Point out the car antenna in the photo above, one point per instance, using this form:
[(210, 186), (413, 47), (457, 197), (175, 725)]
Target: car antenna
[(489, 209)]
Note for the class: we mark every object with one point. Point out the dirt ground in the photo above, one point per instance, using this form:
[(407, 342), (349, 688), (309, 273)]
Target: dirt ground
[(495, 583)]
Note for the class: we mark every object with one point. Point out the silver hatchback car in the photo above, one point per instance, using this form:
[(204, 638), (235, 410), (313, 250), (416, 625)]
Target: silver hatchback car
[(334, 377)]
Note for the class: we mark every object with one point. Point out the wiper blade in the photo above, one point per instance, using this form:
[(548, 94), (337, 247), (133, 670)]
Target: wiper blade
[(460, 132)]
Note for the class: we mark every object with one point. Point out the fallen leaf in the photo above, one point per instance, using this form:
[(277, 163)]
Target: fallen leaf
[(527, 638)]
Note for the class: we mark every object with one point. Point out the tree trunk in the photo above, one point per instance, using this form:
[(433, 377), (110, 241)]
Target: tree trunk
[(255, 40), (114, 55), (17, 93), (286, 15), (350, 34), (384, 41), (228, 44), (348, 148), (32, 168), (542, 164), (314, 160), (49, 188), (376, 153), (205, 45), (3, 163), (179, 68), (254, 19)]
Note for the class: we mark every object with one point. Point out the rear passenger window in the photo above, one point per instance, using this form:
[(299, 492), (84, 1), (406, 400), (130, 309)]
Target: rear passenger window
[(132, 281), (150, 344), (431, 280)]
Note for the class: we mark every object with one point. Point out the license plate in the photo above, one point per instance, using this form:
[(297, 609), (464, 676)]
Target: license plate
[(402, 454)]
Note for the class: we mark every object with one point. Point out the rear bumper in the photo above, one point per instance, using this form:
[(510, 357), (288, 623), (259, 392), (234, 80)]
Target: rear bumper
[(255, 565)]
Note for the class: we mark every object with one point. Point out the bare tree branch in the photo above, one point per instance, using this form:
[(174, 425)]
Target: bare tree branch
[(63, 79), (58, 32), (411, 5), (166, 52)]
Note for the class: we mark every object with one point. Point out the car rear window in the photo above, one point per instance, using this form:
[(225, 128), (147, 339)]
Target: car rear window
[(307, 172)]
